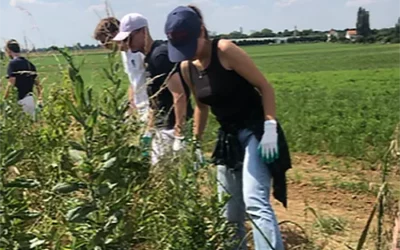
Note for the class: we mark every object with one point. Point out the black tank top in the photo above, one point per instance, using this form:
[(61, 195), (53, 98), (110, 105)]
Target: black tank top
[(237, 105), (233, 100)]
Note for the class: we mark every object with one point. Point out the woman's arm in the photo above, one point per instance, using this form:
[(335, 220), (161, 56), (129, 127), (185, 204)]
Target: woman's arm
[(233, 57), (201, 110), (180, 104)]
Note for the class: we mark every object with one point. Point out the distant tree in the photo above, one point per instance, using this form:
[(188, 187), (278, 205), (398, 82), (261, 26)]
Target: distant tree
[(267, 33), (397, 28), (256, 34), (262, 33), (306, 32), (236, 35), (334, 39), (287, 33), (362, 24), (212, 34)]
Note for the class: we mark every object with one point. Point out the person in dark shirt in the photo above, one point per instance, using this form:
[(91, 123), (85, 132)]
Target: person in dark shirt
[(22, 74), (168, 96), (251, 149)]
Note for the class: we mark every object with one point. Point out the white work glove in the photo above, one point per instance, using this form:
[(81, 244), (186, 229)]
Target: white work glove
[(268, 147), (179, 143)]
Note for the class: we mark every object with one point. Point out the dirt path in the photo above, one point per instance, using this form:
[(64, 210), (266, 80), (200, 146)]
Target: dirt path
[(341, 196)]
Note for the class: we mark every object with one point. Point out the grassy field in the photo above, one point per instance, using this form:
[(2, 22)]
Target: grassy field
[(341, 99), (339, 106)]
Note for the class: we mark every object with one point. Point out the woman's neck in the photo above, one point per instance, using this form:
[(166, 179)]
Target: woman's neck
[(204, 57)]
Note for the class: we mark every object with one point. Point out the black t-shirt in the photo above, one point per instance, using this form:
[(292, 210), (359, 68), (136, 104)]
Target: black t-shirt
[(161, 99), (25, 74)]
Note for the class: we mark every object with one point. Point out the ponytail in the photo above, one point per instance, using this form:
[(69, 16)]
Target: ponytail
[(198, 12)]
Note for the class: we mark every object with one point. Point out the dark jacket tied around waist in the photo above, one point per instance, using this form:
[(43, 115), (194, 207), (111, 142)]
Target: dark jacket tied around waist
[(230, 152)]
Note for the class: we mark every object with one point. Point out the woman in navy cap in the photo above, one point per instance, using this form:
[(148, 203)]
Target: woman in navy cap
[(251, 147)]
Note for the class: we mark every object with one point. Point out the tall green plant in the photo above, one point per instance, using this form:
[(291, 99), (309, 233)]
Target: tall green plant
[(15, 210), (107, 167)]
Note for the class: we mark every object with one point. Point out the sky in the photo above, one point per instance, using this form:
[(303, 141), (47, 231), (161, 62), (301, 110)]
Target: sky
[(67, 22)]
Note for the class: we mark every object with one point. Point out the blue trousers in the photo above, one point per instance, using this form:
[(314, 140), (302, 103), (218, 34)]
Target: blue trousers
[(249, 190)]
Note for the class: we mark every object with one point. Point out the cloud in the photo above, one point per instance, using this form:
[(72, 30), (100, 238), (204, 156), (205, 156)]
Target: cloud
[(166, 3), (239, 7), (352, 3), (285, 3), (97, 7), (14, 3)]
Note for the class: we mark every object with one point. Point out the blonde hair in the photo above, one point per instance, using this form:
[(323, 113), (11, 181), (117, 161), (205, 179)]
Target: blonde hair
[(106, 28)]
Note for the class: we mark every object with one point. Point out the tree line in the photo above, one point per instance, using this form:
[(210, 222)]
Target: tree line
[(364, 35)]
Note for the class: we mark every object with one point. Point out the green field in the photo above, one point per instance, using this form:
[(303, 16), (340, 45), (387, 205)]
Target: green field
[(338, 105), (336, 98)]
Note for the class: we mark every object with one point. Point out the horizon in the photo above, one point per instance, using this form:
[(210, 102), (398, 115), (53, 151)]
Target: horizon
[(41, 22)]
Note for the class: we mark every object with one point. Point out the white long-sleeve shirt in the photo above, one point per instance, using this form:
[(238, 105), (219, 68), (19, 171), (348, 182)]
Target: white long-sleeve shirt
[(135, 69)]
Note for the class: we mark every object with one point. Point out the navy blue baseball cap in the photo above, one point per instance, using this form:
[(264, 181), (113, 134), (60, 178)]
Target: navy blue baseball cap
[(183, 28)]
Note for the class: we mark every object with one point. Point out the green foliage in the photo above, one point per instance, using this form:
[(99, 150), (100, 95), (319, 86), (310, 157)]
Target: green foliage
[(397, 28), (84, 181), (362, 24), (90, 187), (336, 99)]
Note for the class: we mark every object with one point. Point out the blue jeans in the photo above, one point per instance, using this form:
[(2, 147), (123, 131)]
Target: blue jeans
[(249, 191)]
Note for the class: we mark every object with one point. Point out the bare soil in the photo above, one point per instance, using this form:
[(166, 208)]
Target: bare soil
[(333, 190)]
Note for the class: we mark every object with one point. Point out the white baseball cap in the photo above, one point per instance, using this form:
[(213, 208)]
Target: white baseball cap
[(129, 23)]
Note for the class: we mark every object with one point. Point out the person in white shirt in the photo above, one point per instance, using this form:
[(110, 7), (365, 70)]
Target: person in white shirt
[(134, 67)]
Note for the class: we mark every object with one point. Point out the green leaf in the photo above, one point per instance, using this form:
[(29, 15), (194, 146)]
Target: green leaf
[(91, 121), (105, 188), (74, 111), (65, 188), (25, 215), (79, 214), (79, 91), (14, 157), (76, 146), (108, 75), (36, 242), (116, 67), (22, 183), (89, 96), (4, 241), (76, 156), (107, 165), (113, 220), (72, 74)]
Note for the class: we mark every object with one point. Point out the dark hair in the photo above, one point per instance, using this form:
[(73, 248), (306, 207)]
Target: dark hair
[(198, 12), (106, 28), (13, 46)]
